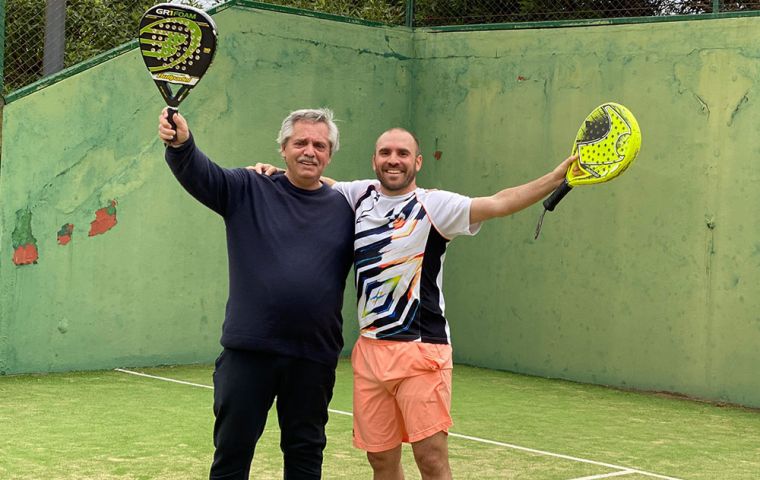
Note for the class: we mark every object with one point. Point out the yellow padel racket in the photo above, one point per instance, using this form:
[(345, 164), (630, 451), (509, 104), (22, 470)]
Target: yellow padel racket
[(607, 143)]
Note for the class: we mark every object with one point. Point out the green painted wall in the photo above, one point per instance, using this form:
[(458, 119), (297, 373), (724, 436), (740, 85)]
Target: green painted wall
[(152, 289), (646, 283), (649, 282)]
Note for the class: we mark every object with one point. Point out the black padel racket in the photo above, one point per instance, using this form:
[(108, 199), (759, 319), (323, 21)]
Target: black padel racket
[(177, 43), (606, 144)]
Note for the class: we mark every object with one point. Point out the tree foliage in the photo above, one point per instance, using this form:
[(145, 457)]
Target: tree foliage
[(23, 49), (95, 26), (385, 11), (91, 27), (447, 12), (705, 6)]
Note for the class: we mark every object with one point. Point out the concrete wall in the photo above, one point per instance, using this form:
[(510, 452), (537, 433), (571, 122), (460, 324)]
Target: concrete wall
[(149, 286), (647, 282)]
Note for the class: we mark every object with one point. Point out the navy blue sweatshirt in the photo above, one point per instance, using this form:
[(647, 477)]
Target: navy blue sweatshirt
[(289, 253)]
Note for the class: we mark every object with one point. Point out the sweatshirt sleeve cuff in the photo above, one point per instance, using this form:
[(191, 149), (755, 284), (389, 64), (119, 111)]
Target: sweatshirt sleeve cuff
[(189, 143)]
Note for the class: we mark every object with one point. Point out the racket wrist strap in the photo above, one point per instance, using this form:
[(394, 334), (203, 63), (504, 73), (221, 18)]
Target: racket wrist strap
[(550, 203), (540, 222)]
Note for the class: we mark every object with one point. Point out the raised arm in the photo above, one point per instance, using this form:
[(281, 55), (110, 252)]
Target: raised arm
[(514, 199), (216, 187)]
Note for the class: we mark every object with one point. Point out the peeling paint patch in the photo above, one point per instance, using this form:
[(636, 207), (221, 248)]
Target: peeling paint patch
[(25, 254), (105, 219), (438, 154), (520, 78), (24, 244), (64, 234)]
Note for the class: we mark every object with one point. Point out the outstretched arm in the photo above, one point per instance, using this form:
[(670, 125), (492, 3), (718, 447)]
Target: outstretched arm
[(265, 169), (514, 199), (328, 181)]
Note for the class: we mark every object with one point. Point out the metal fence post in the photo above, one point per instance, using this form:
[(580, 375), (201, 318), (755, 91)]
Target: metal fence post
[(409, 13), (55, 37), (2, 48), (2, 97)]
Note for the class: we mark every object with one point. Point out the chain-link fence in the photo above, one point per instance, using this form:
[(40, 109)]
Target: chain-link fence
[(461, 12), (44, 36)]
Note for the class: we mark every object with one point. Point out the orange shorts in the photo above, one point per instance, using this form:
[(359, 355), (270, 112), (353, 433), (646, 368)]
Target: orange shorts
[(402, 392)]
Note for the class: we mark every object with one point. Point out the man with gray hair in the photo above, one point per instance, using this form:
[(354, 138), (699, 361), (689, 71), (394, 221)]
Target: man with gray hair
[(290, 247), (402, 361)]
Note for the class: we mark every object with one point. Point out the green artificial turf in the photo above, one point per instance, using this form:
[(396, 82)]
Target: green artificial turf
[(113, 425)]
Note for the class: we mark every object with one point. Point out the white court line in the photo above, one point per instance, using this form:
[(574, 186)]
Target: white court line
[(623, 470), (139, 374), (606, 475), (566, 457), (163, 378)]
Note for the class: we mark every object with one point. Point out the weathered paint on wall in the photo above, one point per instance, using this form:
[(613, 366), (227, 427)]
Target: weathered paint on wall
[(105, 219), (24, 244), (65, 233), (647, 282), (143, 278)]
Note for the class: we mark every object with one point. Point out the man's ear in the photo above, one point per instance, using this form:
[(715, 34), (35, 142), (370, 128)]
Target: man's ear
[(418, 163)]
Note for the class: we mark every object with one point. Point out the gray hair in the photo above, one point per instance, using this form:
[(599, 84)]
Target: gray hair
[(323, 115)]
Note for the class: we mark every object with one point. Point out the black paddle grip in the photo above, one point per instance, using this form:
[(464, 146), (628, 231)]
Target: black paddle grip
[(170, 117), (557, 196)]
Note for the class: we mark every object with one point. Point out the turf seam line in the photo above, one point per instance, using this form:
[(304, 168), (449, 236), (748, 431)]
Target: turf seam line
[(622, 469)]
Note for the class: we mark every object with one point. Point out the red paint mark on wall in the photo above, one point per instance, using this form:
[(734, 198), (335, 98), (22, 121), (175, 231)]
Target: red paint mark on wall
[(105, 219), (64, 234), (25, 254), (24, 244), (438, 154)]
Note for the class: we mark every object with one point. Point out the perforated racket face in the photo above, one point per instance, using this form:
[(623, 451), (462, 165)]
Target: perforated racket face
[(177, 43), (608, 141)]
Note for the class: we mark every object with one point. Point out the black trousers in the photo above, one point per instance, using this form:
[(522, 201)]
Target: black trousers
[(245, 386)]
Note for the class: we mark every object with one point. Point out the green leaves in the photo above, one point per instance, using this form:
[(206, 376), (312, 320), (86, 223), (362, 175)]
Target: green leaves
[(385, 11), (92, 27)]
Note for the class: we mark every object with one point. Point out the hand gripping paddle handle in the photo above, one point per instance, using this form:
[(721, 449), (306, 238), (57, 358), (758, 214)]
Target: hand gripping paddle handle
[(170, 117), (557, 196)]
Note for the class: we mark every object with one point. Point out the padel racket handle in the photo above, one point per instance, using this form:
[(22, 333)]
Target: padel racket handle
[(557, 196), (170, 117)]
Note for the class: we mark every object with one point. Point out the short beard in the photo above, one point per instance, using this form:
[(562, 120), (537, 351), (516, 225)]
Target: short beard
[(408, 179)]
